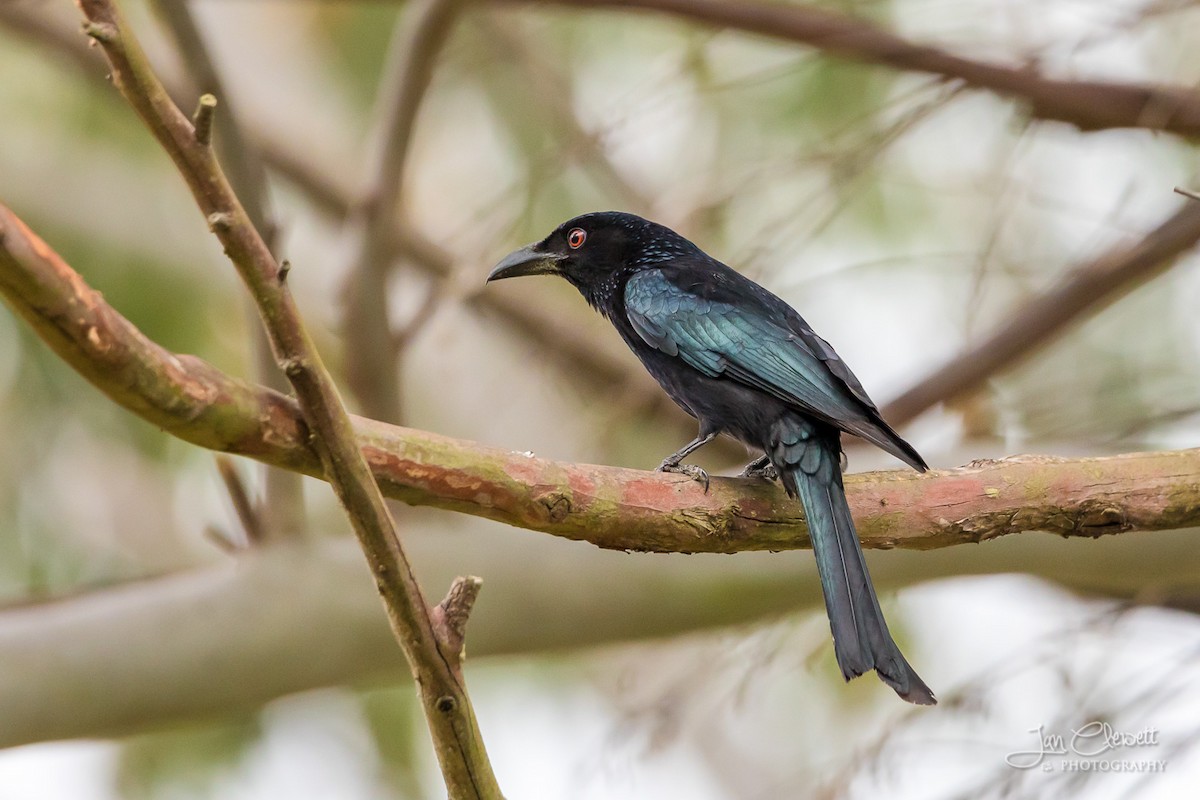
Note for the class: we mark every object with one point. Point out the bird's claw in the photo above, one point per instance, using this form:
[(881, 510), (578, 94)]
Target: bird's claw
[(766, 473), (760, 470), (691, 470)]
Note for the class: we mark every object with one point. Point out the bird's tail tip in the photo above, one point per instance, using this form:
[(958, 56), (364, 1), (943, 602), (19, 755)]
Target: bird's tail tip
[(896, 672), (911, 689)]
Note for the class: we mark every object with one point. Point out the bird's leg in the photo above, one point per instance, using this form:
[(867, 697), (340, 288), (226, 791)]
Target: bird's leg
[(760, 468), (672, 462)]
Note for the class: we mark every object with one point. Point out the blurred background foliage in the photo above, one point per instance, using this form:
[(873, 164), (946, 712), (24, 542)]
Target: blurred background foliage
[(903, 215)]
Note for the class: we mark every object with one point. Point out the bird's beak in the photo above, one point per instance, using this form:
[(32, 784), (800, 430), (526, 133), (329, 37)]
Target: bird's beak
[(526, 261)]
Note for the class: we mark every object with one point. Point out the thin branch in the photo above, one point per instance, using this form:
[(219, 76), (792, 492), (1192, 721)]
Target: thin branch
[(608, 506), (420, 318), (418, 37), (455, 732), (239, 154), (202, 120), (1187, 193), (247, 511), (283, 509), (1088, 105), (1081, 293)]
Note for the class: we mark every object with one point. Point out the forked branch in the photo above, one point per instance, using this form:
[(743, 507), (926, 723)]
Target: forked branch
[(460, 750)]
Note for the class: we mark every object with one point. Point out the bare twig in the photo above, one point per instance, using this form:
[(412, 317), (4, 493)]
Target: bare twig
[(1080, 293), (455, 732), (1088, 105), (245, 508), (450, 615), (202, 120), (610, 507), (1187, 193), (371, 358)]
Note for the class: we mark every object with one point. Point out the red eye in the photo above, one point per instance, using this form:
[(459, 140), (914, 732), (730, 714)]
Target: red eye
[(576, 238)]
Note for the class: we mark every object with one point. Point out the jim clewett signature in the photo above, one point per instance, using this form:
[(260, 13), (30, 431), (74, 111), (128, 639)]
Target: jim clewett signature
[(1091, 740)]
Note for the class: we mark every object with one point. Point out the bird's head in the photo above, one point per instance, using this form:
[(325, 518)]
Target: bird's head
[(592, 250)]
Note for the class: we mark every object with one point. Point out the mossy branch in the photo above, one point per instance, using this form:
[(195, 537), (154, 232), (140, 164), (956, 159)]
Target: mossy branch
[(608, 506)]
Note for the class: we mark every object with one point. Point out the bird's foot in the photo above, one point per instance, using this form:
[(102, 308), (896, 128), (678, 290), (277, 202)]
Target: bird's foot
[(759, 470), (691, 470), (762, 468)]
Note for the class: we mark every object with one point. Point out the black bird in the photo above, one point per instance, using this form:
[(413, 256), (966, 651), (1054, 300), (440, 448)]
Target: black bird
[(743, 363)]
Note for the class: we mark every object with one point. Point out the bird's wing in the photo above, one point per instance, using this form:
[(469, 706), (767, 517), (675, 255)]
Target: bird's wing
[(744, 333)]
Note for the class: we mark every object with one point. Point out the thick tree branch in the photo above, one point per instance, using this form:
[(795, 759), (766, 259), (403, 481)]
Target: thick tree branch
[(258, 638), (608, 506), (457, 742), (1088, 105)]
